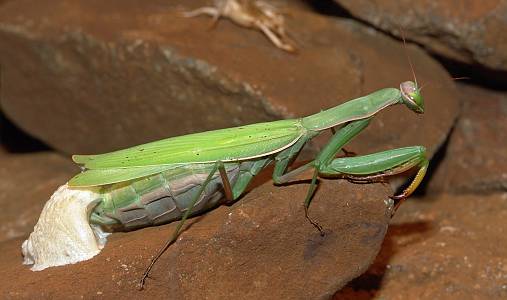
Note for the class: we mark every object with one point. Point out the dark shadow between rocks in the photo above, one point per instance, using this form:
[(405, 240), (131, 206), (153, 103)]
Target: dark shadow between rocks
[(475, 74), (437, 159), (328, 8), (15, 140), (367, 285)]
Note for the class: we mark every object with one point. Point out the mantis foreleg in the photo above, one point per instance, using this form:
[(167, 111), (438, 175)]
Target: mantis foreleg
[(379, 165), (360, 168), (413, 185), (339, 139)]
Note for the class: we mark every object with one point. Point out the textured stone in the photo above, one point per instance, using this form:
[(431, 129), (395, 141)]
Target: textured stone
[(467, 31), (476, 156), (27, 181), (261, 247), (444, 247), (93, 76)]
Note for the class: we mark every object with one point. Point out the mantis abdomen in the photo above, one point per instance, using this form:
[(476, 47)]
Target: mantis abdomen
[(163, 197)]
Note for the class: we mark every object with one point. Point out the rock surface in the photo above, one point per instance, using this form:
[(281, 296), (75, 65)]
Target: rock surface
[(445, 247), (93, 76), (476, 156), (27, 182), (261, 247), (467, 31)]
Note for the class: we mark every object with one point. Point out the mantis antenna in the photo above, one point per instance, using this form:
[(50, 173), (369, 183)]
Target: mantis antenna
[(412, 66), (408, 56), (440, 84)]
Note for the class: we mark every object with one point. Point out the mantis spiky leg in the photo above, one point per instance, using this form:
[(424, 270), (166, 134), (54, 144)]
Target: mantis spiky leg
[(379, 165), (413, 185)]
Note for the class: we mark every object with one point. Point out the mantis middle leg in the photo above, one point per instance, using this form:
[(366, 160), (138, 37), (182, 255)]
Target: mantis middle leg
[(324, 157)]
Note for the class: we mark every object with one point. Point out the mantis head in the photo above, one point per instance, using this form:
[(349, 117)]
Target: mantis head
[(411, 96)]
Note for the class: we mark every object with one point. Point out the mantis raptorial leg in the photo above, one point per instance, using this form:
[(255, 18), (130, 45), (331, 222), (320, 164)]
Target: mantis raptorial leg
[(324, 162)]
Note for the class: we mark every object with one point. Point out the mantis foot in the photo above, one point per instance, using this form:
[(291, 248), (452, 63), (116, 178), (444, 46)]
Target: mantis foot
[(314, 223), (398, 199), (142, 281), (140, 285)]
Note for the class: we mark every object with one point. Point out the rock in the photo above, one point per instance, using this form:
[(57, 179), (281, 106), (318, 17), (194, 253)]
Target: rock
[(448, 247), (93, 76), (27, 182), (475, 160), (261, 247), (468, 31)]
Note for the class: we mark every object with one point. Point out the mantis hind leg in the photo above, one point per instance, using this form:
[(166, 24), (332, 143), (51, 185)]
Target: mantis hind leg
[(232, 193), (180, 225)]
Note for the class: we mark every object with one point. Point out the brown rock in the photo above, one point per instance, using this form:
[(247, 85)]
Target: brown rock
[(476, 156), (447, 247), (93, 76), (261, 247), (467, 31), (27, 182)]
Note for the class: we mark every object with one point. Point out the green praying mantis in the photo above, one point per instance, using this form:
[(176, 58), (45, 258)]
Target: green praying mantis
[(178, 177)]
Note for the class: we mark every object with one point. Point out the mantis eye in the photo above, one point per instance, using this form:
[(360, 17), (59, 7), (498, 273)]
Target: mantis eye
[(412, 97)]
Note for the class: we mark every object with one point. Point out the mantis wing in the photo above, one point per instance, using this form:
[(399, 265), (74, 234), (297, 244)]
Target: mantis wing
[(231, 144), (109, 176)]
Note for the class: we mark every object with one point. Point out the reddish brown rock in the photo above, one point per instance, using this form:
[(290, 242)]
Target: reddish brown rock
[(467, 31), (261, 247), (92, 76), (27, 182), (476, 156), (448, 247)]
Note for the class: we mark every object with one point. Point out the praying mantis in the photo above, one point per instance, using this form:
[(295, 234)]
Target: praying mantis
[(175, 178)]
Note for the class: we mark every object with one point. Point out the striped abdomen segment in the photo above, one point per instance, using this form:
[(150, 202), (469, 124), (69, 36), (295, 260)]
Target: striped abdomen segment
[(161, 198)]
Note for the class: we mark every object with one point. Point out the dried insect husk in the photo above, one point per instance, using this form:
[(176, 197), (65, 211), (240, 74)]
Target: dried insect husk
[(63, 234)]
